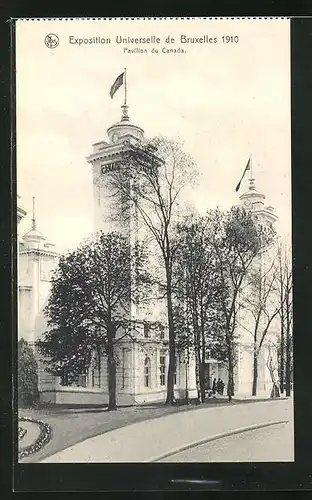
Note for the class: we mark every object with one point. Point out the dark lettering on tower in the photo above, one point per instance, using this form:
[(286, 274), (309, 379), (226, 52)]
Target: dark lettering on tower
[(110, 167)]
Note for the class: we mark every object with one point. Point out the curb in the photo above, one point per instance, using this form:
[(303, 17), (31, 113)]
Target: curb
[(214, 437), (182, 409)]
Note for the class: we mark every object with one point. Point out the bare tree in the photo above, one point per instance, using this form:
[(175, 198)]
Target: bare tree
[(184, 341), (197, 288), (260, 301), (286, 319), (149, 178), (238, 239)]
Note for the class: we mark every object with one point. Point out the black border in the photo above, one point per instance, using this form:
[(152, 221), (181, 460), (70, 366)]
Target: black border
[(138, 477), (6, 272)]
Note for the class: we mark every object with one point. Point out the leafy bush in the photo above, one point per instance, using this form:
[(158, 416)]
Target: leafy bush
[(28, 393)]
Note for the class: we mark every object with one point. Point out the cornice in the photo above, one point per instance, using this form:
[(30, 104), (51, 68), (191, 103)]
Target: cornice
[(101, 156), (36, 251)]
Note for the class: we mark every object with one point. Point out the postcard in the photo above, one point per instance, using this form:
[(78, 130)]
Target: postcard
[(153, 167)]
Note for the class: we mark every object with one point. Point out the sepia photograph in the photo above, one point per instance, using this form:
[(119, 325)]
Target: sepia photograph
[(154, 254)]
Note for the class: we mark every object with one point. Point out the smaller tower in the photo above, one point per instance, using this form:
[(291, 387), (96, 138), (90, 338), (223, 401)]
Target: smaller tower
[(36, 259), (254, 200)]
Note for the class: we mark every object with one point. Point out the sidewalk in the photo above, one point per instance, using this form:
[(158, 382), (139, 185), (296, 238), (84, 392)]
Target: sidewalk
[(149, 440)]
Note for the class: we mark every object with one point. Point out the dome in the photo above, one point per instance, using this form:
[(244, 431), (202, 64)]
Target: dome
[(252, 194), (124, 127), (34, 235)]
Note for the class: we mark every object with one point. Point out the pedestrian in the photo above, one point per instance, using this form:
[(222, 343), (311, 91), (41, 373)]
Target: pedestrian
[(219, 386), (222, 387), (214, 387)]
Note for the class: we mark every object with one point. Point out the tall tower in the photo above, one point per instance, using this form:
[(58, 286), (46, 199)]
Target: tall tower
[(105, 154)]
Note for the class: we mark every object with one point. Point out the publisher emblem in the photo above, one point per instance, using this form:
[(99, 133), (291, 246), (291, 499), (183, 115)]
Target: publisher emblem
[(51, 41)]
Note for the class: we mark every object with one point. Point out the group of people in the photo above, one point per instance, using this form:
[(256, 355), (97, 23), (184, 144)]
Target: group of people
[(218, 387)]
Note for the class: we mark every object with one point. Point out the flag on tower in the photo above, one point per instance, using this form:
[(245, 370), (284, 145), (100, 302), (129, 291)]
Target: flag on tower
[(248, 167), (117, 83)]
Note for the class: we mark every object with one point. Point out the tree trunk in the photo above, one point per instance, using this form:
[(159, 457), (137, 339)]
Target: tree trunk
[(232, 381), (230, 384), (287, 366), (172, 352), (230, 378), (282, 353), (202, 382), (111, 372), (203, 353), (197, 373), (196, 347), (186, 379), (288, 347), (255, 374)]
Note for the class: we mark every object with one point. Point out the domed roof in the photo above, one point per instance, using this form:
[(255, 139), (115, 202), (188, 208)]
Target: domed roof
[(34, 235), (252, 192), (125, 126)]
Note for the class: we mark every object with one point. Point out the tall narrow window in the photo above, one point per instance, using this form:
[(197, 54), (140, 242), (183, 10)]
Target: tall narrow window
[(96, 371), (147, 372), (146, 330), (82, 379), (65, 380), (162, 366), (123, 374), (161, 332)]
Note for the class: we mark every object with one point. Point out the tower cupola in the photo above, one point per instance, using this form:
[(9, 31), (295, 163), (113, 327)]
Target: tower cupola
[(33, 236), (124, 129)]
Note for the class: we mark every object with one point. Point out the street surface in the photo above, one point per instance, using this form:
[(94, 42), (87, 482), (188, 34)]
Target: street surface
[(153, 440), (274, 443)]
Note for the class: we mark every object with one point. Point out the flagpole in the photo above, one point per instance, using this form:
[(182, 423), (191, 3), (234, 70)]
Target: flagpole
[(125, 86), (251, 166)]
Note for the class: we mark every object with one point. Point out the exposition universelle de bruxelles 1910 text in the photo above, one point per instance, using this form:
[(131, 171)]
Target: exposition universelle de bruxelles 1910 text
[(153, 42)]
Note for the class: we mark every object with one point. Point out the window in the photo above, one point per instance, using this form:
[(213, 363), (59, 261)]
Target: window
[(96, 371), (65, 380), (147, 328), (161, 332), (147, 372), (80, 380), (162, 366)]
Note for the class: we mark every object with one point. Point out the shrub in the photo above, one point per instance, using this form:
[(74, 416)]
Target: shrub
[(27, 389)]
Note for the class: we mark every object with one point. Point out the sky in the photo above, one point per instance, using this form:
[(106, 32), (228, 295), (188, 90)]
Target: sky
[(225, 101)]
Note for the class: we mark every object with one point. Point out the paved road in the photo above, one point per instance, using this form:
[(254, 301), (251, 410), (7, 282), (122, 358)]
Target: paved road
[(152, 440), (274, 443)]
